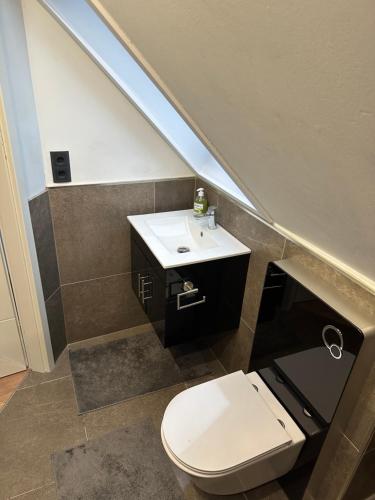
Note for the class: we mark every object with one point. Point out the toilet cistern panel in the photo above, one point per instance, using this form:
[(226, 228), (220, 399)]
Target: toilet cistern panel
[(307, 343)]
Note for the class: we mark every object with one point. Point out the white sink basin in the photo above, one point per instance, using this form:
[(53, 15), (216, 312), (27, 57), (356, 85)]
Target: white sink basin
[(164, 233)]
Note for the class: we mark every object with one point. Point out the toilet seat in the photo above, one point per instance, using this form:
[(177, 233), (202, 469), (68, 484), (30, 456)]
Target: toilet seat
[(224, 425)]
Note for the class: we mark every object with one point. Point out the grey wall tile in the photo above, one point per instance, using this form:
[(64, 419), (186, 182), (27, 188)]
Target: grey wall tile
[(371, 446), (91, 230), (174, 195), (356, 412), (44, 242), (233, 349), (100, 306), (345, 286), (265, 243), (334, 468), (362, 486), (56, 323)]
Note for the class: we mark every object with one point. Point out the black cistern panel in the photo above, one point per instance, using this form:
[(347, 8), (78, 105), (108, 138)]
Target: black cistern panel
[(305, 342)]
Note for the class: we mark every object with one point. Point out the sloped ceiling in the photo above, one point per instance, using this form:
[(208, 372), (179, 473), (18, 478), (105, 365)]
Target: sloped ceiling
[(286, 93)]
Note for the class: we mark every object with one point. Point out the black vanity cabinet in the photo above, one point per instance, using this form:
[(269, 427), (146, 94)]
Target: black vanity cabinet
[(189, 301)]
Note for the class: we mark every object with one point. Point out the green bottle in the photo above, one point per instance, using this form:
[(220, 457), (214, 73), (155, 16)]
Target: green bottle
[(200, 203)]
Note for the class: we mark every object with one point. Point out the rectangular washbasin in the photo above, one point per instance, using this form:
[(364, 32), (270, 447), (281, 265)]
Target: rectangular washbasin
[(178, 238)]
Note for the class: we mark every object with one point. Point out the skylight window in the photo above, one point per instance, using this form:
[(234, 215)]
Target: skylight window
[(85, 25)]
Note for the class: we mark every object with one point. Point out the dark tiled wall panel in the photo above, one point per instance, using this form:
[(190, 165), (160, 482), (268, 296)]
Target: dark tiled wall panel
[(56, 323), (45, 244), (41, 220), (362, 486), (100, 306), (174, 195), (91, 230), (266, 245), (93, 249)]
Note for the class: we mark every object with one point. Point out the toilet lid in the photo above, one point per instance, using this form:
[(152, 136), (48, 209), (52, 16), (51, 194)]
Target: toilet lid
[(221, 424)]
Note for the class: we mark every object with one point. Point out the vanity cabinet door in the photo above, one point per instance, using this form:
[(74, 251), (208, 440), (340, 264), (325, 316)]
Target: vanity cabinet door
[(148, 281), (141, 276), (190, 301)]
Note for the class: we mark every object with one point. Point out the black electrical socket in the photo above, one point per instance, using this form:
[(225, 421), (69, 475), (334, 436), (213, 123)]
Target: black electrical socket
[(60, 166)]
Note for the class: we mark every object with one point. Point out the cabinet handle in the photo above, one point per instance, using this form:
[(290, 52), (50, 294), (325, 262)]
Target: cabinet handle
[(140, 283), (189, 292), (141, 288)]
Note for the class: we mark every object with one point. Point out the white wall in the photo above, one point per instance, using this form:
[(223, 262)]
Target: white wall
[(19, 99), (79, 109), (22, 127), (285, 91)]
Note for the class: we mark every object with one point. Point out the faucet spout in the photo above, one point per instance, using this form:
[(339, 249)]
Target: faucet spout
[(211, 214)]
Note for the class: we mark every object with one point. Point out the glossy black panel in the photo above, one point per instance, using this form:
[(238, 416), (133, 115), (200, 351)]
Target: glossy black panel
[(215, 306), (289, 338), (306, 374)]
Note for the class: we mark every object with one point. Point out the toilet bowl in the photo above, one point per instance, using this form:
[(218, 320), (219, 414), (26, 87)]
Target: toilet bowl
[(230, 434)]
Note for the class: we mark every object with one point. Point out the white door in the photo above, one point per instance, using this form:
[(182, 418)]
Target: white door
[(12, 358)]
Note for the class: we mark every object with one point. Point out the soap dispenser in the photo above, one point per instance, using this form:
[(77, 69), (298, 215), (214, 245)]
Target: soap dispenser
[(200, 203)]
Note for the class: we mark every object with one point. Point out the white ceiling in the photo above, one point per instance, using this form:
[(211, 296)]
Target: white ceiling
[(285, 91)]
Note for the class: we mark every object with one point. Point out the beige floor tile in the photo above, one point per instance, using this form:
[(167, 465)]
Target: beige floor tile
[(152, 406), (47, 492), (269, 491), (155, 403), (191, 492), (61, 369), (37, 421)]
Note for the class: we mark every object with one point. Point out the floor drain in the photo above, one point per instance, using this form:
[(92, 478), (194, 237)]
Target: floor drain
[(183, 249)]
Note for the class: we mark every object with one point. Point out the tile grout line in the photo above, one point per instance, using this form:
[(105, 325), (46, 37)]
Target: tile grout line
[(51, 212), (138, 396), (217, 359), (94, 279), (351, 442), (45, 190), (45, 382), (52, 294), (71, 185), (284, 247), (58, 258), (31, 491), (242, 319), (99, 339)]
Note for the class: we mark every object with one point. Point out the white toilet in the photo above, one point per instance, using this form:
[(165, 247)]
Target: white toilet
[(230, 434)]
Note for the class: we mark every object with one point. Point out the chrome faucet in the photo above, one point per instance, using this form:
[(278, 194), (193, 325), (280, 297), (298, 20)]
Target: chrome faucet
[(211, 214)]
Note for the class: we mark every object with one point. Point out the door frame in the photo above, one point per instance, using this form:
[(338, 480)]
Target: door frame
[(4, 264), (21, 259)]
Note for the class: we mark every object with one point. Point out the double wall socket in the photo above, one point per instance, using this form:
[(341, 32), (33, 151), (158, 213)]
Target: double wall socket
[(60, 166)]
